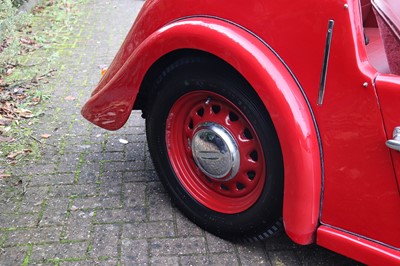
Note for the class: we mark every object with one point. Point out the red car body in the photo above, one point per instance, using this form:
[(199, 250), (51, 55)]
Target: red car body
[(333, 99)]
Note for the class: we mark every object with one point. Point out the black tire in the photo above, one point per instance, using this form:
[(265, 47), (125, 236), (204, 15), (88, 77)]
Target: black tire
[(195, 77)]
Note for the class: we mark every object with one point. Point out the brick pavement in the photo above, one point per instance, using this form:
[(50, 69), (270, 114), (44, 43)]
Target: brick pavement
[(91, 200)]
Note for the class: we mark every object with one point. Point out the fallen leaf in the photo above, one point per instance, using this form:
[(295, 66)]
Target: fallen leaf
[(27, 41), (18, 183), (10, 71), (3, 174), (36, 100), (123, 141), (24, 113), (35, 80), (14, 155), (5, 122), (6, 139), (45, 136), (67, 7), (70, 98)]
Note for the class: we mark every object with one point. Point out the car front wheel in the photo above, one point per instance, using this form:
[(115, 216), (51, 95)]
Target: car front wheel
[(215, 149)]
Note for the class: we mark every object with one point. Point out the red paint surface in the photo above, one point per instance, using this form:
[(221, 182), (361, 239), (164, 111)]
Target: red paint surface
[(363, 250), (182, 121), (277, 89), (360, 190)]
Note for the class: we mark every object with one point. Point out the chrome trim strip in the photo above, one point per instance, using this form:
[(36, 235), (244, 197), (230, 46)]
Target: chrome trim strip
[(322, 83)]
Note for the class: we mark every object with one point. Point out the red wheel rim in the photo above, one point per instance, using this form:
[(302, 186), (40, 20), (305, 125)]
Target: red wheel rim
[(232, 196)]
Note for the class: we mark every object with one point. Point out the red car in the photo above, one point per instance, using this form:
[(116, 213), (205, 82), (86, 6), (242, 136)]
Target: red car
[(269, 115)]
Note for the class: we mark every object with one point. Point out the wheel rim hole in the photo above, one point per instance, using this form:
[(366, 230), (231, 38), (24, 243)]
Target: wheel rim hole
[(208, 179), (216, 109), (191, 124), (233, 117), (247, 134), (223, 187), (254, 156), (251, 175), (240, 186), (200, 112)]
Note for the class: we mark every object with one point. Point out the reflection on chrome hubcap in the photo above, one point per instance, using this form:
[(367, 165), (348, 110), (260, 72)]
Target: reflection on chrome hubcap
[(215, 151)]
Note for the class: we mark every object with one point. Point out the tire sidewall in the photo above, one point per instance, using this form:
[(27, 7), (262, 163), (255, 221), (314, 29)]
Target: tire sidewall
[(200, 75)]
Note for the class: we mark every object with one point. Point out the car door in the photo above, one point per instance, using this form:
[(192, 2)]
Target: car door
[(388, 89)]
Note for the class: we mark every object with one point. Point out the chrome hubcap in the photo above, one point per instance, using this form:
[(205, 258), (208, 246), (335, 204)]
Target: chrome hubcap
[(215, 151)]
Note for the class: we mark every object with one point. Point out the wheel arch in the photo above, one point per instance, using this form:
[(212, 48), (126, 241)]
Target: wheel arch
[(271, 80)]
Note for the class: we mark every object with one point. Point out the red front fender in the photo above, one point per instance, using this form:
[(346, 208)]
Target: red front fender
[(112, 102)]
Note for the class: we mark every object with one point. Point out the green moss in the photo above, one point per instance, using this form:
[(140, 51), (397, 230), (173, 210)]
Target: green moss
[(42, 210), (28, 255)]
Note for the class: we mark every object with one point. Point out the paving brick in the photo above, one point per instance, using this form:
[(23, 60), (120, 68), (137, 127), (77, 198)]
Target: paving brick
[(213, 259), (59, 251), (85, 148), (124, 166), (218, 245), (149, 230), (54, 179), (3, 237), (134, 252), (41, 169), (89, 172), (314, 255), (18, 220), (114, 145), (280, 242), (111, 177), (97, 202), (111, 187), (252, 254), (55, 211), (52, 153), (156, 188), (127, 215), (160, 207), (177, 246), (224, 259), (36, 263), (104, 156), (279, 258), (102, 262), (79, 225), (33, 199), (68, 163), (134, 194), (187, 228), (13, 256), (74, 190), (35, 235), (135, 151), (140, 176), (149, 163), (9, 206), (105, 240), (164, 260), (195, 260)]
